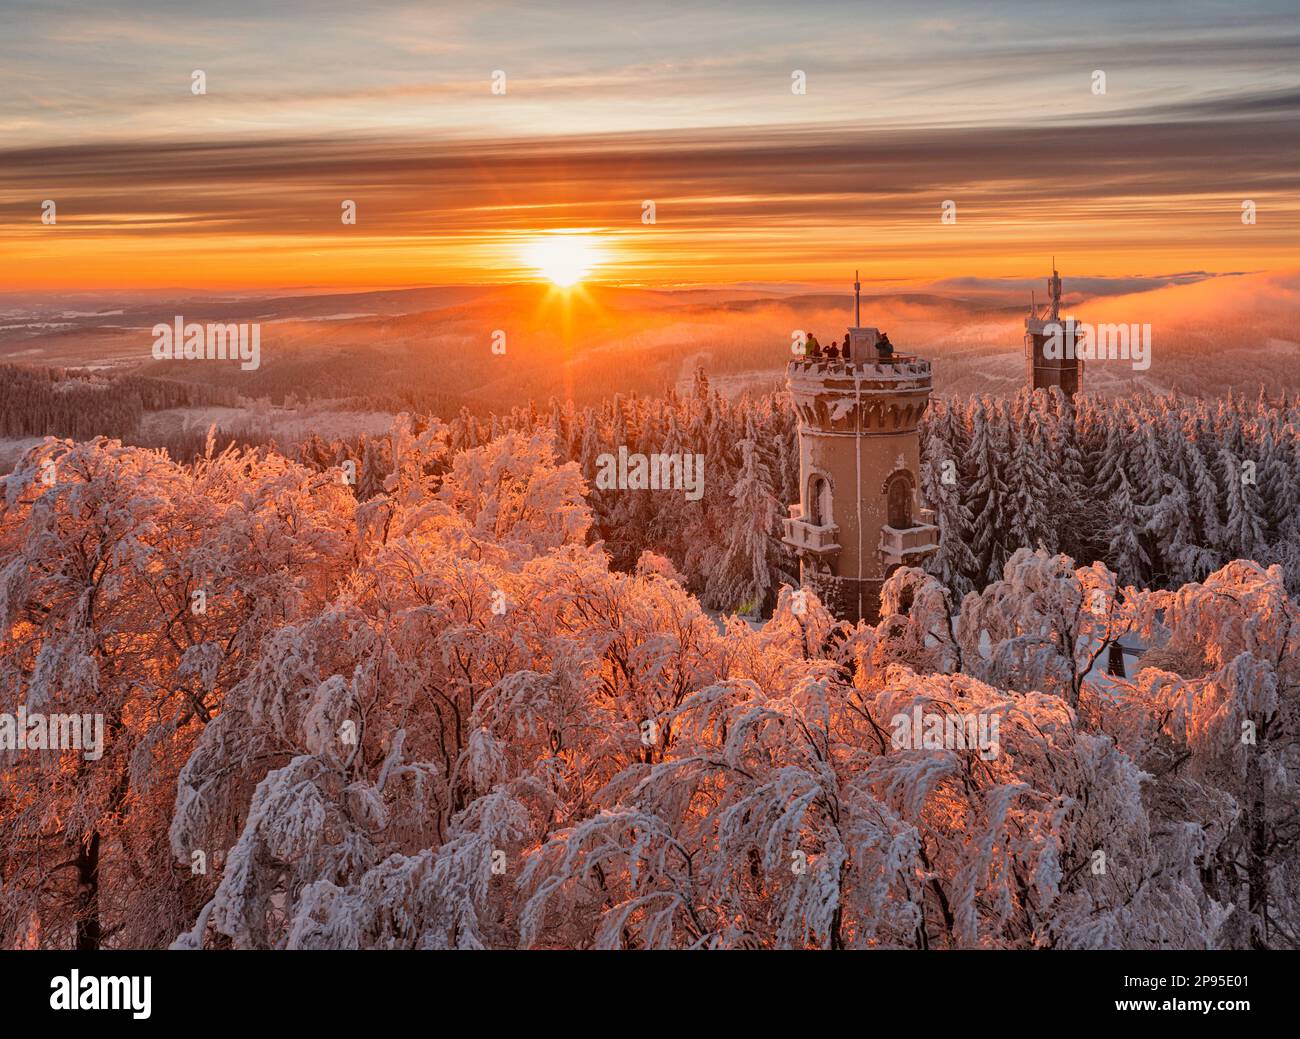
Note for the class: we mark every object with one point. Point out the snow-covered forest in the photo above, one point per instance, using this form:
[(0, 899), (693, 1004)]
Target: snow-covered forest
[(1165, 490), (464, 701)]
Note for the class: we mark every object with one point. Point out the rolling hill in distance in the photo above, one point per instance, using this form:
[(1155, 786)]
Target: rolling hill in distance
[(432, 347)]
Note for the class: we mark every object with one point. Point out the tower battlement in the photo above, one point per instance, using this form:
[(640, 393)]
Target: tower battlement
[(902, 368), (865, 399)]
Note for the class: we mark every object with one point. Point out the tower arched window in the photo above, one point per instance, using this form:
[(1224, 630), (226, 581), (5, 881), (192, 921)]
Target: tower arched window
[(898, 494), (819, 501)]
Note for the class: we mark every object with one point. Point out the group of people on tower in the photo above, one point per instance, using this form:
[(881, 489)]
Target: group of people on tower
[(884, 348)]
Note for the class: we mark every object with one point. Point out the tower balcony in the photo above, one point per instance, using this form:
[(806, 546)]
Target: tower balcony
[(807, 537), (908, 546)]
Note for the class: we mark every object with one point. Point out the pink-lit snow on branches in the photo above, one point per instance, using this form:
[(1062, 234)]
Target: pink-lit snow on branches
[(437, 718)]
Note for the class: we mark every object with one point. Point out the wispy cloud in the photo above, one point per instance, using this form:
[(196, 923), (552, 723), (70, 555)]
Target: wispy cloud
[(610, 105)]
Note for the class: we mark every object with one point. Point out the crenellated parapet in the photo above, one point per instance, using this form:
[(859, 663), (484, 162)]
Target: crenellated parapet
[(835, 396)]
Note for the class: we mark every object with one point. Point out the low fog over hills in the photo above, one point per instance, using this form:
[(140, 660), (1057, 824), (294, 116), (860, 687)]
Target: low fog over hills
[(432, 348)]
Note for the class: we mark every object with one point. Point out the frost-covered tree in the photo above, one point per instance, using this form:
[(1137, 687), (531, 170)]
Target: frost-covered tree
[(1124, 531), (988, 492), (954, 562), (750, 564), (135, 591), (443, 711), (1215, 718), (1044, 625), (1030, 488)]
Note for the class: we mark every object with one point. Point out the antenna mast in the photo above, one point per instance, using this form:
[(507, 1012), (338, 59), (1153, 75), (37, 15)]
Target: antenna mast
[(857, 301)]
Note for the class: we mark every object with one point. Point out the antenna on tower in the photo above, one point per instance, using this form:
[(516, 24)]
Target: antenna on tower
[(857, 301)]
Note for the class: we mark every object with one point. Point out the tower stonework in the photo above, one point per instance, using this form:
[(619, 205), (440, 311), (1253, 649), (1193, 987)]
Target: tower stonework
[(858, 517), (1042, 327)]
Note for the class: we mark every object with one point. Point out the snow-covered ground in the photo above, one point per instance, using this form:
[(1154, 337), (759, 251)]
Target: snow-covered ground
[(286, 425)]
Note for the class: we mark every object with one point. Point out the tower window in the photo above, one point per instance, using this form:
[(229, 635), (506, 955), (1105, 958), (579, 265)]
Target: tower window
[(899, 498), (819, 501)]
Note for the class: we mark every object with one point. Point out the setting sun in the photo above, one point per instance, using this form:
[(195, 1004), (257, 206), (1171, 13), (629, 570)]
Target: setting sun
[(563, 259)]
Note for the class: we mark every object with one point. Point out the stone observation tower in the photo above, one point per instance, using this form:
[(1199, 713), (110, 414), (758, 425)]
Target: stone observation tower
[(1044, 326), (858, 519)]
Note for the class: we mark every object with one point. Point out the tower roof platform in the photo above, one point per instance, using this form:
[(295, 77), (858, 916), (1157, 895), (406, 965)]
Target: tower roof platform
[(898, 369)]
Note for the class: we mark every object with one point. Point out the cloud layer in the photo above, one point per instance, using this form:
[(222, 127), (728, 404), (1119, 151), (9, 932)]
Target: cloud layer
[(688, 107)]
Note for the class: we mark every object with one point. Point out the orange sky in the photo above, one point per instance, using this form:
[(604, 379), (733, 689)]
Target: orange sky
[(241, 187)]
